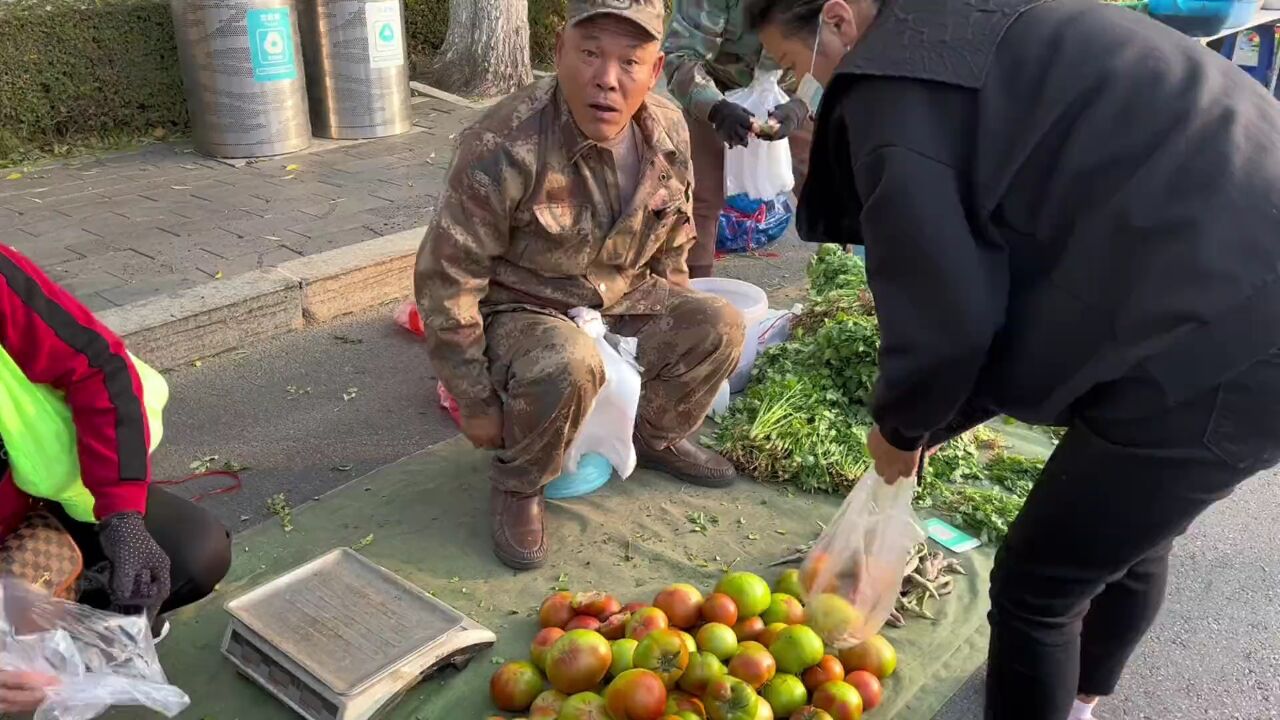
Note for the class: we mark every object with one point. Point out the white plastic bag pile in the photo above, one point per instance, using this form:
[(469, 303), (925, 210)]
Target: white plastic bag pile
[(762, 169)]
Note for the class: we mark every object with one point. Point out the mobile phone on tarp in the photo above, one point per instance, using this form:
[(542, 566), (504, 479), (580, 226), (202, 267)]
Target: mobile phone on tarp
[(950, 537)]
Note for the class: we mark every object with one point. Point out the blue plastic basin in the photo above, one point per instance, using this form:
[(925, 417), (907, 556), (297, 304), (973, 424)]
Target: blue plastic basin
[(593, 472), (1202, 18)]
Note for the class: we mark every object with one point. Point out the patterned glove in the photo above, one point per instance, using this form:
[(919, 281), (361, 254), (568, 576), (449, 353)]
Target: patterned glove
[(789, 116), (732, 123), (139, 568)]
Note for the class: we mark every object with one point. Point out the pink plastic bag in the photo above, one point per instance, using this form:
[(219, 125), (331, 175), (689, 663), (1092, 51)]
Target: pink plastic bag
[(448, 403), (407, 317)]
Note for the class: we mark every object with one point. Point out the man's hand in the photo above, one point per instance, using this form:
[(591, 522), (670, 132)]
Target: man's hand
[(733, 123), (891, 463), (22, 691), (789, 116), (139, 567), (483, 427)]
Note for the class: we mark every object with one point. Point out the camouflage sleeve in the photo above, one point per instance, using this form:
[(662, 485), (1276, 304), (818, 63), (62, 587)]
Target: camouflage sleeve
[(693, 39), (767, 63), (470, 229)]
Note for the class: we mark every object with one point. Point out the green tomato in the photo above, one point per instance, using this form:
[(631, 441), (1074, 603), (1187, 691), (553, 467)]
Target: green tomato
[(785, 694)]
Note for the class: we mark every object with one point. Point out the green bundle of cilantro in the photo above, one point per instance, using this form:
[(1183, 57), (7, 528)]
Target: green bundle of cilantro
[(804, 419)]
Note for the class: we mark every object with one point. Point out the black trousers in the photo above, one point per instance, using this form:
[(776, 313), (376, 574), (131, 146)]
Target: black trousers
[(1082, 574), (198, 546)]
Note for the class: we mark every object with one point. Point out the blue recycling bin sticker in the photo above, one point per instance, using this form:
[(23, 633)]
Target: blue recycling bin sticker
[(271, 44)]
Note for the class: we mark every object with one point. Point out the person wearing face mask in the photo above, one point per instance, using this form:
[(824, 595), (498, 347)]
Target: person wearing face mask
[(1063, 208), (710, 52), (574, 192)]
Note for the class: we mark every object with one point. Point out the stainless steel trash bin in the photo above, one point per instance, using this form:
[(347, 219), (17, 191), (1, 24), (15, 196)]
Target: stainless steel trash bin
[(357, 77), (242, 70)]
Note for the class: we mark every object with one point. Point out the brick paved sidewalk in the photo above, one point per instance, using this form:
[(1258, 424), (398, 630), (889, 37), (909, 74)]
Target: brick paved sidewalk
[(132, 226)]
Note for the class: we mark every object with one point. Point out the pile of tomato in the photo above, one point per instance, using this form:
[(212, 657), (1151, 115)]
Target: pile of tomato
[(744, 652)]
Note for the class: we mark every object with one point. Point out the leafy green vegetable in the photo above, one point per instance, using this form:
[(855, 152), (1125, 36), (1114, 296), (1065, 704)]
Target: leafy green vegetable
[(804, 418)]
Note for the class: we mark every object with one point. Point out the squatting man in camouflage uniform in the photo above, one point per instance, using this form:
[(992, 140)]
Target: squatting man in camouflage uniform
[(574, 192)]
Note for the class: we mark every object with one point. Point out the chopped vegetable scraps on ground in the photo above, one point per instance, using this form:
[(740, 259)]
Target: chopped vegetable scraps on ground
[(804, 418)]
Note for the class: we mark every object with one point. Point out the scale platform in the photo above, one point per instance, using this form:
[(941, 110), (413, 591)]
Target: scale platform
[(341, 638)]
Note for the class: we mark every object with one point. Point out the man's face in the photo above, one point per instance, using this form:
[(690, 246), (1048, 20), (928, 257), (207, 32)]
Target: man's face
[(606, 67)]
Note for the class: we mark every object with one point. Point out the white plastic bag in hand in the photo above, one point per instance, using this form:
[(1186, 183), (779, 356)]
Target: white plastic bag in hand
[(609, 426), (100, 659), (762, 169), (854, 572)]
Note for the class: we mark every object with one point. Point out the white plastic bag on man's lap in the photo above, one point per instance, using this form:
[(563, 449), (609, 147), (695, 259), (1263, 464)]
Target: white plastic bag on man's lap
[(853, 575), (609, 426), (99, 659)]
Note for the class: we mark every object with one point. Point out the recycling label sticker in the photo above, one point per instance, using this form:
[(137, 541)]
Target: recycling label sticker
[(271, 44), (386, 46)]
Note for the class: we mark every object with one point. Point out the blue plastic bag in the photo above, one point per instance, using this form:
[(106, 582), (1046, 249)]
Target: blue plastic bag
[(747, 224)]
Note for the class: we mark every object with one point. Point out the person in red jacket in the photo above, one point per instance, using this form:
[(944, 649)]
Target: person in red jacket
[(155, 551)]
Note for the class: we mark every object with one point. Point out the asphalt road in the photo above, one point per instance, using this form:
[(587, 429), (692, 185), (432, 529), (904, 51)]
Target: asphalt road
[(305, 413), (1214, 654), (311, 411)]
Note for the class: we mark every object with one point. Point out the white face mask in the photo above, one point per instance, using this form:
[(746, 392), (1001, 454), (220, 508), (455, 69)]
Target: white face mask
[(810, 90)]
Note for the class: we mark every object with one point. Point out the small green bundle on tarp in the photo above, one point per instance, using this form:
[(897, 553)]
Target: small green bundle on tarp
[(804, 418), (426, 519)]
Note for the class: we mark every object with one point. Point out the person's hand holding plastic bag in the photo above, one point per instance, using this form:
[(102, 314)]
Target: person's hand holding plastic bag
[(71, 662), (762, 169), (854, 573)]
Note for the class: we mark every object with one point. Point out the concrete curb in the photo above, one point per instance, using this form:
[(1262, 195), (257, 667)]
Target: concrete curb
[(222, 315)]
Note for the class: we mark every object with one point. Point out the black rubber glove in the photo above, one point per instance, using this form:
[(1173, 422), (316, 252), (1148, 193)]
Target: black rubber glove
[(732, 123), (139, 568), (789, 116)]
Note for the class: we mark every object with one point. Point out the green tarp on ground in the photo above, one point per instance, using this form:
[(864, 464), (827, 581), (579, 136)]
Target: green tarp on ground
[(429, 521)]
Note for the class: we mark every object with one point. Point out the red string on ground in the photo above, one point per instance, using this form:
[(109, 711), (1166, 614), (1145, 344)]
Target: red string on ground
[(235, 486)]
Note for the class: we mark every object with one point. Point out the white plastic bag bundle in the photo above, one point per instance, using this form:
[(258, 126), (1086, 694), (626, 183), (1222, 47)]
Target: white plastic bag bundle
[(854, 572), (99, 659), (762, 169), (610, 423)]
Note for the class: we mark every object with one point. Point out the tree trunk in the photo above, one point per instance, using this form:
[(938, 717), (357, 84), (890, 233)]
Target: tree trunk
[(486, 50)]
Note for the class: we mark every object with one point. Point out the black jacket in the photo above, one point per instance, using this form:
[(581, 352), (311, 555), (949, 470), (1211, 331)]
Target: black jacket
[(1052, 195)]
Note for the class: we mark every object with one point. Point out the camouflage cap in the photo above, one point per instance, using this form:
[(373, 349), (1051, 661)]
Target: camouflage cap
[(648, 14)]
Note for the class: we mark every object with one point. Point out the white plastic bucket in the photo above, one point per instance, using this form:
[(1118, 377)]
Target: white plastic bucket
[(754, 305)]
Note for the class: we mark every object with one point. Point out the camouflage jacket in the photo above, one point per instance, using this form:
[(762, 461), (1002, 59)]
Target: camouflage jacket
[(527, 222), (709, 50)]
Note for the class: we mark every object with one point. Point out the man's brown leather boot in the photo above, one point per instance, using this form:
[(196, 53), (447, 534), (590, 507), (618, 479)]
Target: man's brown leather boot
[(687, 461), (519, 530)]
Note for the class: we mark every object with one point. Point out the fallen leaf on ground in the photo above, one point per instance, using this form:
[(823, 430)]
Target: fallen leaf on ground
[(14, 176)]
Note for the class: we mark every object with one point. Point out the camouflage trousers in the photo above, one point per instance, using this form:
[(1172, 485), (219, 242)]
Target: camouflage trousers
[(708, 185), (548, 373)]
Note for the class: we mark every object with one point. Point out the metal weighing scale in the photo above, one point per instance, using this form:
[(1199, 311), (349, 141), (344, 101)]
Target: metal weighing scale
[(341, 638)]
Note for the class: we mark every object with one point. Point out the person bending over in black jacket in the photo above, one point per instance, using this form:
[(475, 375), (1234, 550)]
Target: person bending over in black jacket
[(1068, 212)]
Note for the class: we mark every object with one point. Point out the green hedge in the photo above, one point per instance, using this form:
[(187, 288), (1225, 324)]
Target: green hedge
[(78, 71)]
